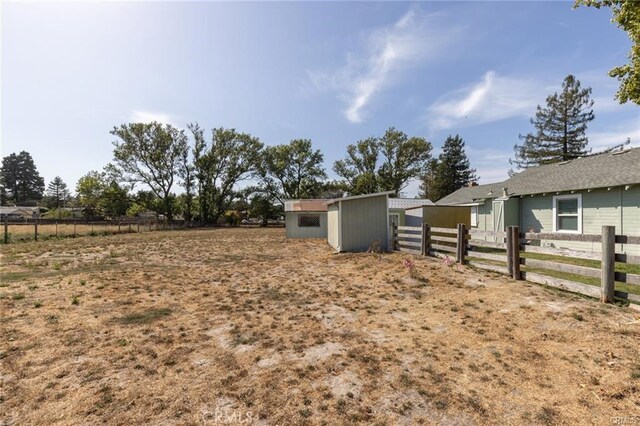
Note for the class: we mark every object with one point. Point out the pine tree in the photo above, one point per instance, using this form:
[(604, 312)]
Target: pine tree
[(20, 181), (452, 170), (560, 128), (57, 193), (428, 180)]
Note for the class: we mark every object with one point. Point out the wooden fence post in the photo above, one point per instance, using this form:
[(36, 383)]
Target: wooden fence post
[(138, 227), (56, 229), (509, 244), (74, 228), (425, 240), (35, 226), (6, 230), (607, 290), (515, 252), (461, 243)]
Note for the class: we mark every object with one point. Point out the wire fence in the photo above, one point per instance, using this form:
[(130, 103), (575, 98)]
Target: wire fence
[(47, 229)]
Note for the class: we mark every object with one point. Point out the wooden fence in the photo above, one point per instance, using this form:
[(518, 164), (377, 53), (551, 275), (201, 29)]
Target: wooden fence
[(512, 251)]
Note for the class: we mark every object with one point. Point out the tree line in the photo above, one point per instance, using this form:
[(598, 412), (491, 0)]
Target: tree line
[(225, 170)]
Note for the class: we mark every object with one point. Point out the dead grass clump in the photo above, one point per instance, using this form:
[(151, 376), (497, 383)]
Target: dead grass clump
[(144, 317)]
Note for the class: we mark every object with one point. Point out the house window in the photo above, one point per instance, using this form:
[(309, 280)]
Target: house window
[(474, 215), (309, 221), (567, 213)]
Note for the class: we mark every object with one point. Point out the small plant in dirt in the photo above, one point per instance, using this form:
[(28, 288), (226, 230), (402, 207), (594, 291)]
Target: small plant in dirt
[(75, 300), (306, 413), (547, 416), (410, 266), (17, 296), (375, 247), (577, 317), (635, 372), (413, 270), (37, 304)]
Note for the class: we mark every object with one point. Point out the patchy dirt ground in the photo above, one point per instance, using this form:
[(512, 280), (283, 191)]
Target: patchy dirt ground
[(231, 325)]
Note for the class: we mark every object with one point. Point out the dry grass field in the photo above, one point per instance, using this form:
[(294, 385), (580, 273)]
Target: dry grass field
[(242, 325)]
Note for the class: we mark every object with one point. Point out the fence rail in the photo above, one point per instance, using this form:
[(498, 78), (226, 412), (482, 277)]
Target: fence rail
[(512, 250)]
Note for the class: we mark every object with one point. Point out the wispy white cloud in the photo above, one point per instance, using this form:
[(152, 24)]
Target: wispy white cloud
[(411, 40), (617, 135), (149, 116), (493, 98)]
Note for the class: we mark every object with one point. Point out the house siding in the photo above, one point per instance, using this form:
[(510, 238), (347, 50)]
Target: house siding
[(631, 211), (363, 221), (295, 231), (616, 207), (536, 214), (485, 216)]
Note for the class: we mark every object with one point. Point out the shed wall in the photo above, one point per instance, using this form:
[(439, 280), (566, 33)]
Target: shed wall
[(413, 217), (295, 231), (446, 216), (333, 223), (363, 221)]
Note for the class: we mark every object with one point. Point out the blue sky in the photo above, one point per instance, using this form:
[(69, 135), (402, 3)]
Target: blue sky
[(331, 72)]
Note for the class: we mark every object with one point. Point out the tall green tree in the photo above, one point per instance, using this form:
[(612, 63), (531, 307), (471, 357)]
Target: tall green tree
[(384, 163), (186, 171), (404, 158), (626, 15), (89, 189), (230, 158), (292, 171), (114, 200), (57, 193), (561, 128), (99, 194), (359, 169), (149, 154), (20, 182), (265, 207), (451, 171)]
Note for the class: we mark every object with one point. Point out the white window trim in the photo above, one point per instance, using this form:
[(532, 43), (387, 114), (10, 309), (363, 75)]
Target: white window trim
[(555, 217), (474, 223)]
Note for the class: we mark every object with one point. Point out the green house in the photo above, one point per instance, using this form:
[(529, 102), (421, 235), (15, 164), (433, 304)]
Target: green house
[(576, 196)]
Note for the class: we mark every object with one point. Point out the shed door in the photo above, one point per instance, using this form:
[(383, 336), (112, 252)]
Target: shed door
[(498, 216)]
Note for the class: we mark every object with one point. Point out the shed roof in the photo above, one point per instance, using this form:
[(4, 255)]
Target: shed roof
[(596, 171), (405, 203), (310, 205), (356, 197)]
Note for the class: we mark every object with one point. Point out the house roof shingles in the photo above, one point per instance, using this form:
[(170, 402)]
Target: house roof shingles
[(597, 171)]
